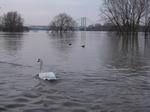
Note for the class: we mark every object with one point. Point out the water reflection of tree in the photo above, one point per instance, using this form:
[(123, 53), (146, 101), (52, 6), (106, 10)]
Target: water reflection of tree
[(147, 46), (67, 37), (61, 41), (130, 44), (126, 51), (13, 42), (68, 34)]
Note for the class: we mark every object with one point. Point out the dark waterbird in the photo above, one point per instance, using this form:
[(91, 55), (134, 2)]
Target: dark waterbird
[(83, 46)]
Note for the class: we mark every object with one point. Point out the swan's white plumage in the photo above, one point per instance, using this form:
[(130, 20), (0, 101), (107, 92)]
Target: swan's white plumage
[(46, 75)]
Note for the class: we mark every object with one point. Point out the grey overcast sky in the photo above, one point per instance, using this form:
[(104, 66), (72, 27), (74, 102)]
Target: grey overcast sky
[(41, 12)]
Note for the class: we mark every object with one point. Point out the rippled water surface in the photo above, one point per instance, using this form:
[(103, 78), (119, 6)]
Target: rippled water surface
[(111, 74)]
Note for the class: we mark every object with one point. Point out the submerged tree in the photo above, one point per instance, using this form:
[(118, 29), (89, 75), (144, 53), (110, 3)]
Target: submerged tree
[(126, 15), (147, 16), (12, 22), (62, 22)]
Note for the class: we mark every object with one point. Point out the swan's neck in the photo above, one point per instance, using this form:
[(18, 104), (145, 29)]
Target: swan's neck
[(41, 66)]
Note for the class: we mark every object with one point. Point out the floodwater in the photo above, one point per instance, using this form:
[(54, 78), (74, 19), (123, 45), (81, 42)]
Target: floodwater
[(111, 74)]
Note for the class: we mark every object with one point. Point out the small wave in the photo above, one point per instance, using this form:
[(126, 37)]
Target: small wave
[(15, 105), (2, 109), (37, 110), (71, 104), (14, 64), (21, 100)]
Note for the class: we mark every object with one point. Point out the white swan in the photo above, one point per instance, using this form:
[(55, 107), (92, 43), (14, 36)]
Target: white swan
[(45, 76)]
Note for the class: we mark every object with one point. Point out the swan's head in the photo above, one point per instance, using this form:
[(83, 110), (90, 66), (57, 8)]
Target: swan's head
[(39, 60)]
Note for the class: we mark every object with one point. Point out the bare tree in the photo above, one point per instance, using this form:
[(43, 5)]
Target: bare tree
[(12, 22), (126, 15), (62, 22), (147, 16)]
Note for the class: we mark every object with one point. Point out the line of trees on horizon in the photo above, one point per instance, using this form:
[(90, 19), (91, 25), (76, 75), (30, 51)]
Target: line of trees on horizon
[(119, 15), (13, 22)]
